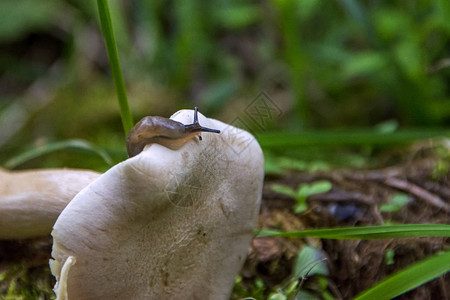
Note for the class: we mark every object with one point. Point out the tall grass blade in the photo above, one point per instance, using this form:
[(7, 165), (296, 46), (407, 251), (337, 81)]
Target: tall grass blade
[(368, 232), (111, 47), (409, 278)]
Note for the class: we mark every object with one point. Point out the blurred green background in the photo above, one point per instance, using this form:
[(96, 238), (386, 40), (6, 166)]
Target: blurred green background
[(267, 66)]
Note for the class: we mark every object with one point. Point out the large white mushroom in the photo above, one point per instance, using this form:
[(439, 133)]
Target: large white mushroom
[(31, 201), (164, 224)]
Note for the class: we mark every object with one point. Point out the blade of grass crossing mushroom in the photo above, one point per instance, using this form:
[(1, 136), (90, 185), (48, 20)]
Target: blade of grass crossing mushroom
[(368, 232), (277, 140)]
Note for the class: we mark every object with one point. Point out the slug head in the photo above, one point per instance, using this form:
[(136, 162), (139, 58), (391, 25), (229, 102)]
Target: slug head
[(196, 127)]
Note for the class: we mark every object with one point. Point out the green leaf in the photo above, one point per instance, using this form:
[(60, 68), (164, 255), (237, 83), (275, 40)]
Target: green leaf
[(52, 147), (309, 262), (238, 16), (365, 63), (389, 256), (409, 278), (368, 232), (317, 187), (443, 10), (306, 8), (291, 287), (276, 165), (300, 207), (285, 190), (398, 201), (19, 17), (294, 164), (304, 295), (272, 165), (277, 296), (388, 126), (408, 56)]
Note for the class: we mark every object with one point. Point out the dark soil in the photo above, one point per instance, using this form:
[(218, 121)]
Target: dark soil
[(354, 200)]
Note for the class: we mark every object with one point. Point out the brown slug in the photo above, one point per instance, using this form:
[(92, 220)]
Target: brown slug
[(163, 131)]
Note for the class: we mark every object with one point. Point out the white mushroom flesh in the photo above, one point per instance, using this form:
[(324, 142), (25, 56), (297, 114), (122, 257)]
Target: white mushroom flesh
[(165, 224), (31, 201)]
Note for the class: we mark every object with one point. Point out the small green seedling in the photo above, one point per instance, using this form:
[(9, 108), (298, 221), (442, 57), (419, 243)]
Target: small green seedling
[(278, 165), (397, 201), (389, 257), (441, 169), (303, 192), (442, 164), (310, 261), (255, 288)]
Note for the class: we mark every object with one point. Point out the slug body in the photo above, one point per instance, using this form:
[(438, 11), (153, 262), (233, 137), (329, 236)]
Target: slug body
[(163, 131)]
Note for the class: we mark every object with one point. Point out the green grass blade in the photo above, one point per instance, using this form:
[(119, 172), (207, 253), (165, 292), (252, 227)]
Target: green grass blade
[(111, 47), (409, 278), (281, 140), (52, 147), (368, 232)]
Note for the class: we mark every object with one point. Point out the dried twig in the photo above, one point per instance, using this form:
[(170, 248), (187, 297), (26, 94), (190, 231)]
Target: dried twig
[(343, 196), (416, 191)]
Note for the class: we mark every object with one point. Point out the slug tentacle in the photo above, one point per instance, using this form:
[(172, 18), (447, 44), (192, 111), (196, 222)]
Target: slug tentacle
[(196, 127), (163, 131)]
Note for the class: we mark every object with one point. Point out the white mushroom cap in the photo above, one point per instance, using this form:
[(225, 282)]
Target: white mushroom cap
[(165, 224), (31, 201)]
